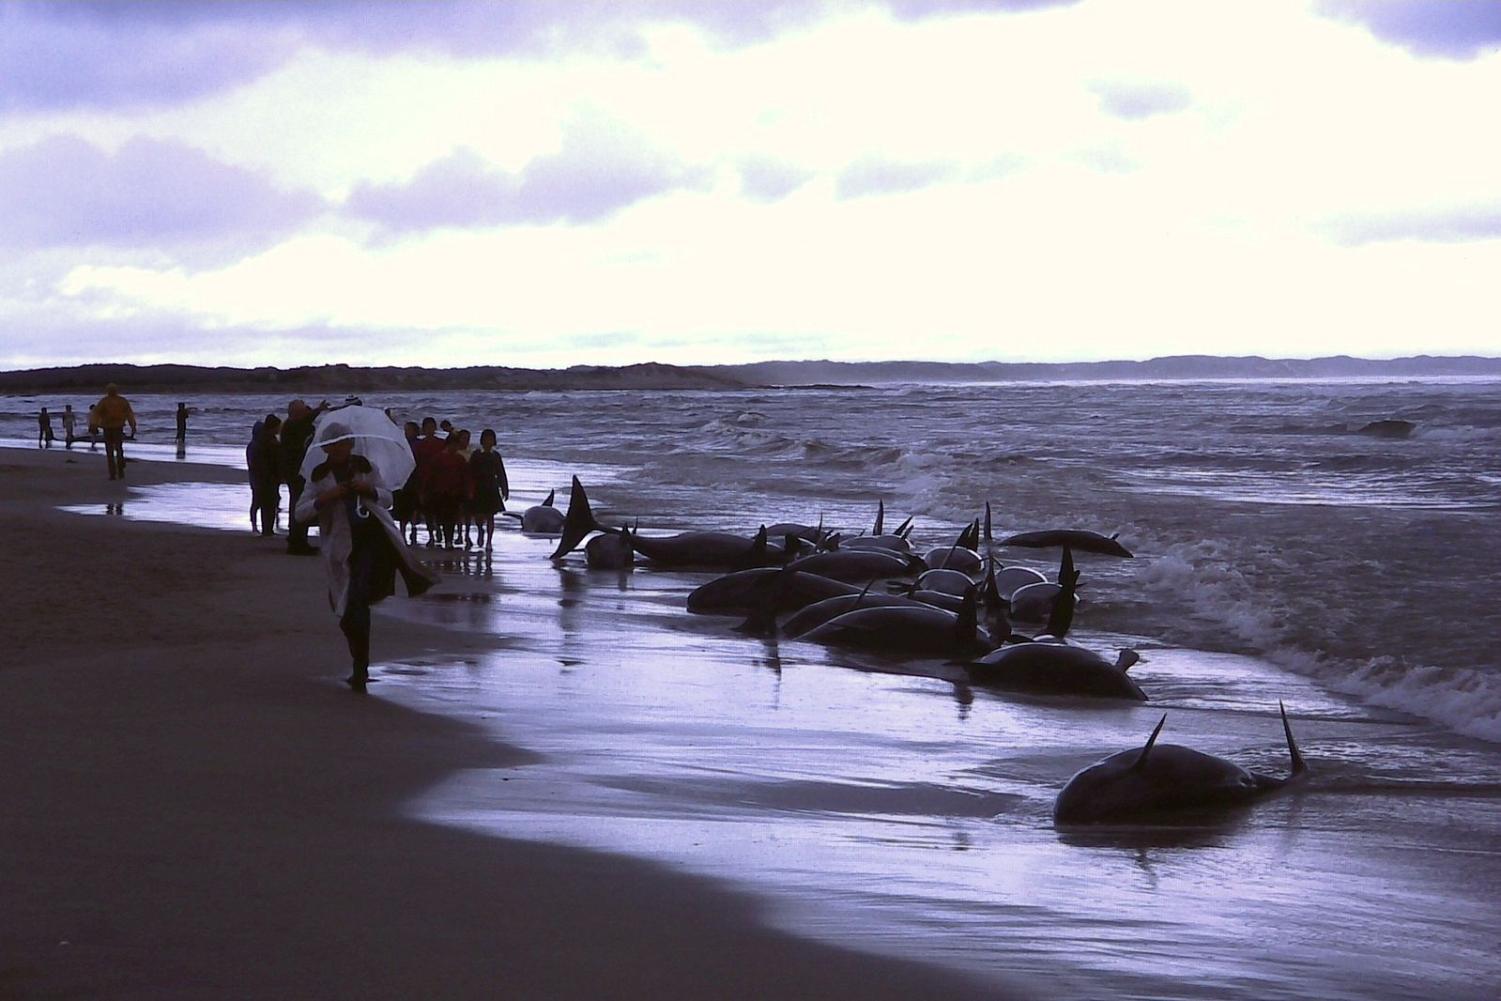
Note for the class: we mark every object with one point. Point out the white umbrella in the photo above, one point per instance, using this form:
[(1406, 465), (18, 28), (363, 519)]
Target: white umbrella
[(375, 437)]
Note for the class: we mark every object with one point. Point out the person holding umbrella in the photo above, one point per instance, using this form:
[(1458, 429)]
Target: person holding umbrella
[(358, 451)]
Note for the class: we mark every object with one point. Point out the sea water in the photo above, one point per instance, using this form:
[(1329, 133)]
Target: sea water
[(1280, 554)]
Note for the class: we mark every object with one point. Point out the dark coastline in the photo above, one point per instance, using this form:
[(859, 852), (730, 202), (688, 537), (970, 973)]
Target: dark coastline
[(327, 379)]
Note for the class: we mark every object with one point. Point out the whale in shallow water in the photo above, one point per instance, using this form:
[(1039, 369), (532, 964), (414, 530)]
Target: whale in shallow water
[(810, 617), (540, 519), (916, 628), (1083, 541), (1055, 668), (856, 566), (1157, 782), (764, 590)]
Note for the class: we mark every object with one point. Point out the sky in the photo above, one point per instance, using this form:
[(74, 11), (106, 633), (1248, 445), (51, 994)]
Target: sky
[(543, 183)]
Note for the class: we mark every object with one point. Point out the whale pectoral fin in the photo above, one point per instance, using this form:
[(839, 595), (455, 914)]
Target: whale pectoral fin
[(1299, 766), (1141, 760)]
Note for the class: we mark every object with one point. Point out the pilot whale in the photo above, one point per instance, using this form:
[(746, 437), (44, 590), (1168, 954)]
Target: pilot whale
[(1057, 669), (917, 628), (540, 519), (1156, 782), (1084, 541)]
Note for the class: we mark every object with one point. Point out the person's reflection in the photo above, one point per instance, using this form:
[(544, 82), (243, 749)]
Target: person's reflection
[(114, 508), (182, 449), (964, 697)]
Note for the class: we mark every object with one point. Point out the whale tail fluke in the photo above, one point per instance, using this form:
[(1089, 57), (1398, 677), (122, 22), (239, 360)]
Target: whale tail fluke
[(577, 524), (1126, 659), (1299, 766)]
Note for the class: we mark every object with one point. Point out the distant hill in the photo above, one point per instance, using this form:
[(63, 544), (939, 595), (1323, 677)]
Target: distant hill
[(793, 373), (328, 380)]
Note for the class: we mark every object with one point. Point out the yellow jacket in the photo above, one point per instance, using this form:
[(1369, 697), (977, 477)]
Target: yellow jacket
[(113, 412)]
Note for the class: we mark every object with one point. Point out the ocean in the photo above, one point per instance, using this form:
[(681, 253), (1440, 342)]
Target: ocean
[(1281, 553)]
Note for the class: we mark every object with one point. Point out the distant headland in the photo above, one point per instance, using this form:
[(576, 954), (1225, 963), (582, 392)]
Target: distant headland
[(328, 379)]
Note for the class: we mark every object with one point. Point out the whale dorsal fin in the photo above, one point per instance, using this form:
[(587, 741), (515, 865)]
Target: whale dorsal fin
[(904, 528), (880, 518), (1141, 759), (550, 495), (1299, 765)]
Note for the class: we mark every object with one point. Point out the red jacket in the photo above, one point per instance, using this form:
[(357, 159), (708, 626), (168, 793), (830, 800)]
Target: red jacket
[(448, 476)]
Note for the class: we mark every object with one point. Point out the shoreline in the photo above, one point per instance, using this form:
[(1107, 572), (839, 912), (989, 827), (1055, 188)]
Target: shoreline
[(198, 807)]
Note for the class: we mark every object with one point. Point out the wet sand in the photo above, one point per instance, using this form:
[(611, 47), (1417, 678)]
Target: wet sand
[(195, 807), (869, 804)]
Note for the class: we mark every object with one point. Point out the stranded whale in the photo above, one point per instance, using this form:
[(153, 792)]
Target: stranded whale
[(1160, 781)]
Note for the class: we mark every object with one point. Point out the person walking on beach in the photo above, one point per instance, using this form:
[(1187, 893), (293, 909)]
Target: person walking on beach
[(404, 498), (182, 422), (362, 547), (110, 415), (491, 489), (448, 489), (93, 427), (44, 436), (264, 463), (426, 448), (296, 435), (70, 423)]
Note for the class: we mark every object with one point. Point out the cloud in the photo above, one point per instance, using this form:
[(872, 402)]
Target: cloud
[(148, 194), (766, 180), (1135, 101), (1448, 225), (599, 170), (878, 176), (916, 10), (1444, 28)]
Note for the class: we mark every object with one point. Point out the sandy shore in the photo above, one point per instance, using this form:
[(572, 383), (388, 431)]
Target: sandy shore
[(195, 807)]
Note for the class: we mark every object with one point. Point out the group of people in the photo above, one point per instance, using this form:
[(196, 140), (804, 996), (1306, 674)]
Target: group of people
[(108, 417), (274, 457), (457, 484)]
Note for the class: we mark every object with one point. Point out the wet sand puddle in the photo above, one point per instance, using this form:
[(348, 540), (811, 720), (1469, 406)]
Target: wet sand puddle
[(890, 807)]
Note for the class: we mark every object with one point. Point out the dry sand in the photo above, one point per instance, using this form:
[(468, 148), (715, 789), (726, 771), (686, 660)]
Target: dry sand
[(195, 807)]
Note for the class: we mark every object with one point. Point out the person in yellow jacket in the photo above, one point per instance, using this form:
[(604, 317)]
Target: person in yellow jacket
[(110, 415)]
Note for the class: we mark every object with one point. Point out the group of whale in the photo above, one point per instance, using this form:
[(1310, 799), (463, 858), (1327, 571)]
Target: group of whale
[(812, 583)]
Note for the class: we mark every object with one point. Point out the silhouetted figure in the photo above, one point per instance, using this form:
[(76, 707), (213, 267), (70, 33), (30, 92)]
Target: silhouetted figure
[(362, 548), (44, 437), (404, 499), (296, 435), (182, 422), (448, 489), (263, 462), (70, 424), (427, 447), (93, 427), (491, 488), (110, 415)]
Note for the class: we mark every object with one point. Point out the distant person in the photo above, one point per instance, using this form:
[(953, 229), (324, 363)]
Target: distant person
[(263, 462), (426, 448), (296, 436), (466, 508), (70, 424), (44, 437), (404, 500), (491, 490), (448, 489), (182, 422), (111, 414), (447, 428), (93, 427), (362, 548)]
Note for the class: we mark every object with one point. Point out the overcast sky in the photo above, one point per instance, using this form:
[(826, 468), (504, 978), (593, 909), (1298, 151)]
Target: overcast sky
[(544, 183)]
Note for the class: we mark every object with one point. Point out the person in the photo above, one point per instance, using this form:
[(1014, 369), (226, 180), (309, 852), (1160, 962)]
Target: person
[(93, 426), (404, 499), (426, 448), (263, 463), (110, 415), (70, 423), (182, 422), (44, 436), (466, 507), (491, 489), (447, 488), (296, 435), (362, 549)]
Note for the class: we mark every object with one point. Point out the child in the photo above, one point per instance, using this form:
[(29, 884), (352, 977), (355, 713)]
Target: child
[(487, 471), (448, 487)]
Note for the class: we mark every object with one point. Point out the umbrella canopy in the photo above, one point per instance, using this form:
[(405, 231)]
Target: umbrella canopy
[(381, 442)]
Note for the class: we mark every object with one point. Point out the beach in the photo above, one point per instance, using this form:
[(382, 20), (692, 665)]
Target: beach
[(570, 734), (195, 807)]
